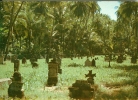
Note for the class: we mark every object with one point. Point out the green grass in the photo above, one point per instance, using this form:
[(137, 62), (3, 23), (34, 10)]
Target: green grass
[(118, 82)]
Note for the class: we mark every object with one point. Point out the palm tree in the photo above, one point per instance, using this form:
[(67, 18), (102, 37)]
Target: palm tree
[(11, 20)]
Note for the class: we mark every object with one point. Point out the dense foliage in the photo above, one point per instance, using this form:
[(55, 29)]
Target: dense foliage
[(71, 28)]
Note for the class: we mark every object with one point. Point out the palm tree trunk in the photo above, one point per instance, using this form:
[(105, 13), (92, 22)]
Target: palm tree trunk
[(9, 32), (10, 28)]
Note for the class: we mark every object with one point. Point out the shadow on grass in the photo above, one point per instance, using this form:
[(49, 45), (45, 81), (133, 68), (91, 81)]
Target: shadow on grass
[(125, 67), (124, 85)]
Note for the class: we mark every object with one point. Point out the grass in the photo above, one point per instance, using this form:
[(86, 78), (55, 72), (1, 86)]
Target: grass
[(119, 82)]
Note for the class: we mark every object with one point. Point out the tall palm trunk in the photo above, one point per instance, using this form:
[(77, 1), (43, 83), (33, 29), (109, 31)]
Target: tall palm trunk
[(10, 27), (9, 32)]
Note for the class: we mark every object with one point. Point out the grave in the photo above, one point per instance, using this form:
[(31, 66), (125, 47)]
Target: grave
[(23, 60), (15, 88), (90, 77), (94, 63), (34, 65), (1, 59), (34, 62), (16, 64), (83, 89), (13, 57), (120, 58), (52, 73), (88, 62)]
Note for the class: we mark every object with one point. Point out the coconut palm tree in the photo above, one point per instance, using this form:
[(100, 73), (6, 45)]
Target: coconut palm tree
[(12, 13)]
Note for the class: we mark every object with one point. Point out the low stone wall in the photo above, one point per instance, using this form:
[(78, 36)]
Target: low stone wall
[(5, 80)]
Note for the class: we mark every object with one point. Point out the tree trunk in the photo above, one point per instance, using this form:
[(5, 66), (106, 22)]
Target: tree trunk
[(10, 28)]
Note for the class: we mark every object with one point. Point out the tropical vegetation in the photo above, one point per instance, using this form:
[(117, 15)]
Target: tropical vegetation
[(70, 28)]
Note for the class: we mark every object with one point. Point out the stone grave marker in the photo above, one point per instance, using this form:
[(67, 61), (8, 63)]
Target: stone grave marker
[(15, 88), (93, 62), (16, 64), (1, 59), (83, 89), (120, 58), (34, 62), (90, 77), (88, 62), (23, 60), (52, 73), (13, 57)]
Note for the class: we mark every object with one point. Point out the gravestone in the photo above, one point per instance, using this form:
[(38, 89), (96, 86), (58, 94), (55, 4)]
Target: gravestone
[(16, 64), (120, 58), (52, 73), (15, 88), (1, 59), (94, 63), (90, 77), (13, 57), (88, 62), (23, 60), (34, 62), (83, 89)]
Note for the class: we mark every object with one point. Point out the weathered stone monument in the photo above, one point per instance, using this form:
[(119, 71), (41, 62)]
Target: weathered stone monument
[(88, 62), (120, 58), (90, 77), (1, 59), (23, 60), (15, 88), (16, 65), (34, 62), (52, 73), (83, 89), (13, 57), (93, 62)]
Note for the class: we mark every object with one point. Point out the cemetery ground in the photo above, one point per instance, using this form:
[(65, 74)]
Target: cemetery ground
[(119, 82)]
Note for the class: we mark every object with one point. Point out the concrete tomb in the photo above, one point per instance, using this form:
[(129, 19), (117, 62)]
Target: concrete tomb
[(15, 88), (83, 89), (52, 73)]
